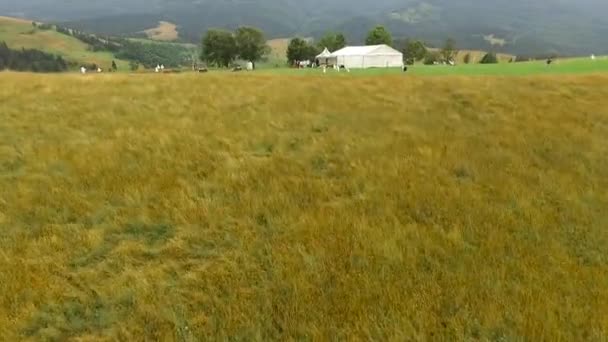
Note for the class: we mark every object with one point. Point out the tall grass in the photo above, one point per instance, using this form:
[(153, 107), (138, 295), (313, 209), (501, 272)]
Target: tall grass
[(185, 208)]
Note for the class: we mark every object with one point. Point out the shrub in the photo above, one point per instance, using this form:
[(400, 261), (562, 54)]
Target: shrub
[(489, 58), (431, 58)]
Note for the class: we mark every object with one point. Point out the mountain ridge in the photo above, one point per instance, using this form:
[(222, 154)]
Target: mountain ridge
[(525, 27)]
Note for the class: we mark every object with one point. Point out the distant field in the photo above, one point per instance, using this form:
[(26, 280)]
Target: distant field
[(476, 56), (278, 52), (165, 31), (19, 33), (565, 66), (260, 207)]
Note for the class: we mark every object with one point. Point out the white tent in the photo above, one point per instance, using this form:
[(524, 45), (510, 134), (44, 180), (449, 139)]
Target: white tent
[(370, 56), (325, 58)]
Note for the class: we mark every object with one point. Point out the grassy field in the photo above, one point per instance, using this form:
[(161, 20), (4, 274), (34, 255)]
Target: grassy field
[(19, 34), (563, 66), (259, 207)]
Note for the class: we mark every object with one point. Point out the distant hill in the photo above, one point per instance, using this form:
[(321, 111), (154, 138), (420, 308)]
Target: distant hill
[(19, 33), (528, 27), (152, 47)]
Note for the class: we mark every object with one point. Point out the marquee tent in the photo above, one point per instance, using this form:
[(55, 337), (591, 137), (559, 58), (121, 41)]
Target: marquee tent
[(370, 56), (325, 58)]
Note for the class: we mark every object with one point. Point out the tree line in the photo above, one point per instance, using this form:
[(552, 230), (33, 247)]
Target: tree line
[(221, 48), (413, 50), (30, 60)]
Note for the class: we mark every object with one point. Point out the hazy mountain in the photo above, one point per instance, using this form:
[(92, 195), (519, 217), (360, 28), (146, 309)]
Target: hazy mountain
[(519, 26)]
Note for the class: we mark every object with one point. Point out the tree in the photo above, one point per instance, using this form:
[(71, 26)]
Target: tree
[(449, 52), (413, 50), (297, 50), (311, 52), (251, 44), (133, 65), (340, 41), (332, 41), (114, 66), (431, 58), (467, 58), (489, 58), (219, 48), (5, 56), (379, 35)]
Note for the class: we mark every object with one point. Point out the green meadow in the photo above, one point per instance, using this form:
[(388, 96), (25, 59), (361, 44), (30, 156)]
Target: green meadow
[(560, 66)]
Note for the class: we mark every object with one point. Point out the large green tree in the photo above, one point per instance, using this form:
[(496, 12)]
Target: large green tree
[(219, 48), (413, 50), (300, 50), (332, 41), (379, 35), (251, 44)]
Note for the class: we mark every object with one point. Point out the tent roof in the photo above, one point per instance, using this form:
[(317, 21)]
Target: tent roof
[(324, 54), (366, 50)]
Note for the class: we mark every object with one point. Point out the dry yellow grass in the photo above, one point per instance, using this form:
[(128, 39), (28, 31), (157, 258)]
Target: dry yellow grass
[(15, 20), (190, 207), (165, 31)]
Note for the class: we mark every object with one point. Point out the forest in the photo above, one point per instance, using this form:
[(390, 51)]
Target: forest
[(30, 60)]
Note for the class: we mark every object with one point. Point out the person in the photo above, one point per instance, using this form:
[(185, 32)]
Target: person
[(404, 68), (83, 70)]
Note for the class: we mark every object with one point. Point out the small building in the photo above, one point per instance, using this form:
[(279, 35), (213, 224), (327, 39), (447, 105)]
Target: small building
[(325, 58), (369, 56)]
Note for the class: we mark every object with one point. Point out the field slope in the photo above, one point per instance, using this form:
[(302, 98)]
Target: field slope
[(165, 31), (18, 33), (194, 208)]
